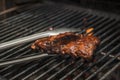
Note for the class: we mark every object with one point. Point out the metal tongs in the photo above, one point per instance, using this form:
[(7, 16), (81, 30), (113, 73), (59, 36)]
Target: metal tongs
[(30, 38)]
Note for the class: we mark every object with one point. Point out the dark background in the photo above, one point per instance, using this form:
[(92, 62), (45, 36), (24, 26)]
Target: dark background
[(105, 5), (111, 6)]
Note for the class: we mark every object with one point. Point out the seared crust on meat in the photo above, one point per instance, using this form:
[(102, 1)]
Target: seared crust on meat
[(76, 45)]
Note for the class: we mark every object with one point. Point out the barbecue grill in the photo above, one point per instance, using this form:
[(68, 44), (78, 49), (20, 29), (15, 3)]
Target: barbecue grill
[(40, 18)]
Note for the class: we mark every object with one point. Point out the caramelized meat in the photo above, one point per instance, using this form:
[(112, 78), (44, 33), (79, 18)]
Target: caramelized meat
[(77, 45)]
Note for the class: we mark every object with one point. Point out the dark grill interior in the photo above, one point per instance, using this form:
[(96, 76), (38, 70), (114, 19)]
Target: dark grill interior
[(40, 18)]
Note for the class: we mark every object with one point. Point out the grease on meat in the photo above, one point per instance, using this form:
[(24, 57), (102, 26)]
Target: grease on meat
[(76, 45)]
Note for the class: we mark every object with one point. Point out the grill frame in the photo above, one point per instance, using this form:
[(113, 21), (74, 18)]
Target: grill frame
[(97, 17)]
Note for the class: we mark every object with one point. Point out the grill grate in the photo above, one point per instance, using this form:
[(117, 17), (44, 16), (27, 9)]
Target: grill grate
[(51, 68)]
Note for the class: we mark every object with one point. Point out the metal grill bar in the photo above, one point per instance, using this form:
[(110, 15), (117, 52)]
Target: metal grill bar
[(103, 67), (13, 19), (103, 29), (57, 17), (16, 17), (37, 78), (105, 47), (109, 72), (73, 70), (9, 74), (28, 69), (97, 62), (65, 67), (35, 27), (36, 70), (18, 30)]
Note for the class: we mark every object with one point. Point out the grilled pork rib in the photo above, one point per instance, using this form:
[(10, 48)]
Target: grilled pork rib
[(77, 45)]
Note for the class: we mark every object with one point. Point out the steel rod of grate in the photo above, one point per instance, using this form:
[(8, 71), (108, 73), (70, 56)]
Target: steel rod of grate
[(108, 31), (49, 70), (111, 55), (100, 51), (104, 23), (77, 24), (33, 37), (112, 35), (106, 40), (10, 19), (11, 37), (17, 30), (91, 23), (47, 10), (59, 71), (47, 64), (27, 19), (73, 70), (98, 70), (32, 14), (89, 18), (16, 17), (14, 30), (20, 50), (12, 65), (96, 62), (98, 22), (6, 26), (40, 67), (101, 20), (63, 68), (109, 72), (32, 66), (23, 72), (108, 26), (112, 42), (23, 59), (66, 24), (107, 23)]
